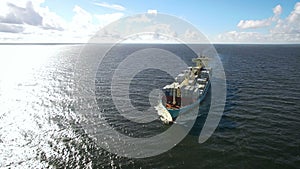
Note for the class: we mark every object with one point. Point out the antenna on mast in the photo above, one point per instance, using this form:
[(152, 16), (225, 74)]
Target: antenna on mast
[(174, 92)]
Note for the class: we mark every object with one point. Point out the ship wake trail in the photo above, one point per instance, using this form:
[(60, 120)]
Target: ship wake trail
[(163, 113)]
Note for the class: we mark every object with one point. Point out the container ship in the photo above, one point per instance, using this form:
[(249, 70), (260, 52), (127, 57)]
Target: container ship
[(188, 90)]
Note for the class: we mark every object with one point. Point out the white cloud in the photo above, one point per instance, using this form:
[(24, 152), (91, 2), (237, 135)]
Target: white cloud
[(82, 18), (246, 24), (111, 6), (277, 10), (279, 30), (191, 35), (146, 28), (51, 20), (152, 11), (138, 19), (22, 21), (253, 24), (289, 25), (11, 28), (295, 14), (29, 13), (4, 9), (241, 37), (20, 15)]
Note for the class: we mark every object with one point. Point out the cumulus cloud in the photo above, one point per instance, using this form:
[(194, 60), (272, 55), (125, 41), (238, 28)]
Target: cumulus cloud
[(29, 21), (29, 13), (152, 11), (295, 14), (285, 30), (247, 24), (82, 18), (277, 10), (52, 21), (242, 37), (141, 18), (289, 25), (11, 28), (19, 15), (190, 35), (111, 6), (148, 28)]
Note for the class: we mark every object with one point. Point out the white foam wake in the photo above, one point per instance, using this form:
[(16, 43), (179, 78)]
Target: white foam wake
[(163, 113)]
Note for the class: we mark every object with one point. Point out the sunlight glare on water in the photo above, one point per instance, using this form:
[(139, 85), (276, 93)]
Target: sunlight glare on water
[(25, 128)]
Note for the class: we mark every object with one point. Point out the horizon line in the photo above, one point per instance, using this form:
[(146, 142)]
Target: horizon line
[(82, 43)]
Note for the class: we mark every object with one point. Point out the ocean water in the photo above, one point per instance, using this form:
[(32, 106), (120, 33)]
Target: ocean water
[(40, 126)]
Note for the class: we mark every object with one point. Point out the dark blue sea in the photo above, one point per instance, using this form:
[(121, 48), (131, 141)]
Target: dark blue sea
[(43, 125)]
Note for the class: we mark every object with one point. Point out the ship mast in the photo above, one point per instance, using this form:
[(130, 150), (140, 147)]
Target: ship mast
[(174, 92)]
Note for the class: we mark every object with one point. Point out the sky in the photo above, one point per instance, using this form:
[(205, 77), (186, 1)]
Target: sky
[(223, 21)]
